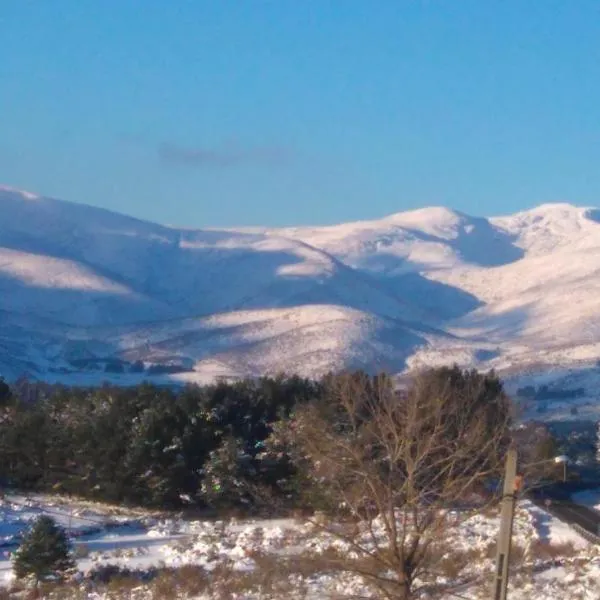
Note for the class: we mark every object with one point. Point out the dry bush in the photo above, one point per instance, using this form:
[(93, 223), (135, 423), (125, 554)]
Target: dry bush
[(67, 592), (518, 555), (453, 563), (267, 579), (192, 579), (273, 578), (490, 550), (547, 551), (121, 584), (183, 582), (165, 586), (81, 551)]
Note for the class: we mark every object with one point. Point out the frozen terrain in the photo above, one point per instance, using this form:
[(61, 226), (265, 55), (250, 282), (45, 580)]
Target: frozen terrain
[(140, 541), (86, 294)]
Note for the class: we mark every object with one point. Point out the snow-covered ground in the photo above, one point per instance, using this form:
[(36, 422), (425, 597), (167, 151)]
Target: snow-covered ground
[(103, 533), (140, 540)]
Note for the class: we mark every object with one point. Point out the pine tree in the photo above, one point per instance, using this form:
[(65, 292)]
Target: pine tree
[(5, 393), (598, 442), (226, 475), (44, 552)]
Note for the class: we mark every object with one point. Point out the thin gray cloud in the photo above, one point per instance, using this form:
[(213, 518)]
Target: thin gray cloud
[(223, 158)]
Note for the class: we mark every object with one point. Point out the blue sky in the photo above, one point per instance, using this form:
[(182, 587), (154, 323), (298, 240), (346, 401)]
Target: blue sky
[(277, 112)]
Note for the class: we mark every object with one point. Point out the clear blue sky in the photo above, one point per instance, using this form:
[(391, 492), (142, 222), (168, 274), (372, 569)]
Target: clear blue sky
[(203, 113)]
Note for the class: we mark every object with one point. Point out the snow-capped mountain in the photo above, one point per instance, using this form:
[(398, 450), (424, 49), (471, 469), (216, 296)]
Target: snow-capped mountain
[(86, 290)]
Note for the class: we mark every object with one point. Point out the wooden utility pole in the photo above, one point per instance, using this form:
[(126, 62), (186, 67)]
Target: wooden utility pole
[(506, 524)]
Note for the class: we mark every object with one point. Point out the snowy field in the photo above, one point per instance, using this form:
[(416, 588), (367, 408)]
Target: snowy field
[(551, 559), (105, 535)]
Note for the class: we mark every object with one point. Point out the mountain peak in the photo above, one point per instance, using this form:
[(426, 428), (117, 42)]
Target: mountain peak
[(428, 214), (4, 189), (437, 221), (554, 208), (559, 214)]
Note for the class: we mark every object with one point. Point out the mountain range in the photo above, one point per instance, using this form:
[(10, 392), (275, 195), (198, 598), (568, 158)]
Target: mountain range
[(86, 293)]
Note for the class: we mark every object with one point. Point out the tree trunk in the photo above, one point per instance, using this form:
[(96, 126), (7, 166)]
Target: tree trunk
[(404, 585), (404, 591)]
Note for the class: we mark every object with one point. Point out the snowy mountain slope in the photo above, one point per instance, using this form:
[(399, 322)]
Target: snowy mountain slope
[(93, 263), (97, 276), (400, 249), (520, 284), (550, 296), (426, 239), (95, 267), (81, 284), (306, 339)]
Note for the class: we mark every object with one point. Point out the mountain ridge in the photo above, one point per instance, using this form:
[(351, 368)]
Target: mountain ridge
[(397, 292)]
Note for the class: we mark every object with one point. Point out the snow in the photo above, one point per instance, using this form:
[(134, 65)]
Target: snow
[(428, 286), (47, 272), (551, 530), (141, 540)]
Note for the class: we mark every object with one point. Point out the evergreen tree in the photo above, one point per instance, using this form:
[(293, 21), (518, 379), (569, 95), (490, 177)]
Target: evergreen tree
[(598, 442), (44, 552), (5, 393), (226, 475)]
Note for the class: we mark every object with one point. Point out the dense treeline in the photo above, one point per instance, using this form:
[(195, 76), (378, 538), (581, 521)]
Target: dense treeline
[(146, 445), (167, 447)]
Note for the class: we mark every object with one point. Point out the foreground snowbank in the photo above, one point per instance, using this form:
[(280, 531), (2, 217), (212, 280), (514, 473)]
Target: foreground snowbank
[(551, 560)]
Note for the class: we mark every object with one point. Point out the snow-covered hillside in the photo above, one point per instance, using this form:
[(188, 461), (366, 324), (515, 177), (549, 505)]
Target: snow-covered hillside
[(84, 290)]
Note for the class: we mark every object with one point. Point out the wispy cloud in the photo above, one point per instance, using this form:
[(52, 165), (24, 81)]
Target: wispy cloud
[(203, 157)]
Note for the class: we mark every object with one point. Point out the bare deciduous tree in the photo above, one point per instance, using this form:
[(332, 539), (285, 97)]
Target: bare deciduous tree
[(395, 472)]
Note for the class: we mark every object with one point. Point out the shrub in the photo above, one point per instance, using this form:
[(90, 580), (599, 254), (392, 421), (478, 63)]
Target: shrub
[(81, 551), (45, 552)]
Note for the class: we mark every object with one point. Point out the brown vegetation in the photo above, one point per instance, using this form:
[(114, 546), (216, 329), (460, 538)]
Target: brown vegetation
[(408, 468)]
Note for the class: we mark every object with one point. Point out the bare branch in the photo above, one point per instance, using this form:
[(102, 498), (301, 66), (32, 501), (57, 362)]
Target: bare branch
[(401, 466)]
